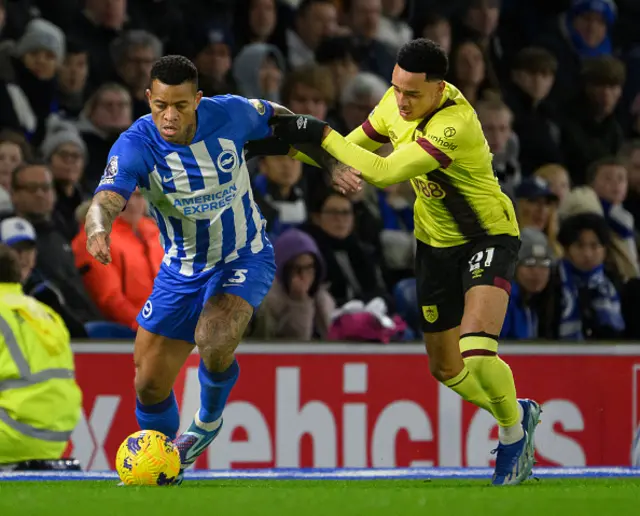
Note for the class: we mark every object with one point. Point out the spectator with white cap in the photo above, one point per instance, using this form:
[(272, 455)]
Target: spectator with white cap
[(19, 234), (40, 402), (31, 77), (65, 152)]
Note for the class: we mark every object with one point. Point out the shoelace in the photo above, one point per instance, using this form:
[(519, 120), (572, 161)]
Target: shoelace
[(504, 463)]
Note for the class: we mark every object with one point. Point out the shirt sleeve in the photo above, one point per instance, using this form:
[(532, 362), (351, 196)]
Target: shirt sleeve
[(436, 150), (373, 133), (252, 114), (403, 164), (126, 168)]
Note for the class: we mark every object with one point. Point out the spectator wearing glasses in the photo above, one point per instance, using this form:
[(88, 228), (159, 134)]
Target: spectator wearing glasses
[(532, 275), (357, 100), (66, 154), (106, 114), (33, 197), (352, 271), (133, 54), (298, 306)]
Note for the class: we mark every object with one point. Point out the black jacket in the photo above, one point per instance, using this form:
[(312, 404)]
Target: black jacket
[(56, 262), (537, 130)]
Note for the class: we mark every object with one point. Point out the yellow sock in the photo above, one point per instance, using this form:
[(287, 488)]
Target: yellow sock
[(480, 354), (467, 387)]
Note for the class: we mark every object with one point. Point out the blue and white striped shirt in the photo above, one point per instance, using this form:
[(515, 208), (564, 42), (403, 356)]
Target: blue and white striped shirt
[(199, 194)]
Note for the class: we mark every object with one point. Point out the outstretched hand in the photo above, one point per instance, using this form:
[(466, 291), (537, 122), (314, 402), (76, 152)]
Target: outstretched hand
[(98, 247), (346, 179)]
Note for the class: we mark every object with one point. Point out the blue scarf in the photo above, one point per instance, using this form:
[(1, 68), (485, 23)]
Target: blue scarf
[(615, 216), (521, 321), (605, 301)]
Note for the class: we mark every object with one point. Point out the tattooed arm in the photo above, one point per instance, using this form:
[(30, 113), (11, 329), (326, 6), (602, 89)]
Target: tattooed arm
[(105, 207), (319, 157)]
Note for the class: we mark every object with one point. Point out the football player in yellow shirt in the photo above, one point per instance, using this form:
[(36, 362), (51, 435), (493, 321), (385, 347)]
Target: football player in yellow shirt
[(465, 226)]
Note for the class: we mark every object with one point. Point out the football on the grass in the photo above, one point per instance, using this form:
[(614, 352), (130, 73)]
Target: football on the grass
[(148, 458)]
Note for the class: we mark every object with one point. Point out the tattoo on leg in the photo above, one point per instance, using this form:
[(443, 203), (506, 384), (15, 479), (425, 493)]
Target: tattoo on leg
[(220, 329)]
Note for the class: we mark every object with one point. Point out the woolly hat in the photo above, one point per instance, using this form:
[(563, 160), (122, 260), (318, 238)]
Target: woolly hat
[(42, 35)]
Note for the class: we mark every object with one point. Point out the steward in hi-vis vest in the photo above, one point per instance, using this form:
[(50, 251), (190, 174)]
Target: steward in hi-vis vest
[(40, 401)]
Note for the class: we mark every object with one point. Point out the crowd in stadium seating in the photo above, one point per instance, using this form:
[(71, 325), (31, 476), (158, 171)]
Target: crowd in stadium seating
[(556, 86)]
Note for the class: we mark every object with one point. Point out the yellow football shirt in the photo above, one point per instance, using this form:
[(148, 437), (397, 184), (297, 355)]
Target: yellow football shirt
[(448, 161)]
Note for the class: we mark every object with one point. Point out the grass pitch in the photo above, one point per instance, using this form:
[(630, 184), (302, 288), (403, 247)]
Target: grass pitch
[(547, 497)]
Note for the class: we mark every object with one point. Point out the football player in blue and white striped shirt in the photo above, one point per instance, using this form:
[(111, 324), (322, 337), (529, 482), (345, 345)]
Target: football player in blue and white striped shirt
[(186, 157)]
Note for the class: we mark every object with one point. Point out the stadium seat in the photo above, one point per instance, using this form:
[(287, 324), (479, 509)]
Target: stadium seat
[(405, 297), (108, 330)]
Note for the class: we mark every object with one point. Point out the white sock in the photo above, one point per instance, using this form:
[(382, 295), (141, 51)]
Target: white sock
[(209, 427), (512, 434)]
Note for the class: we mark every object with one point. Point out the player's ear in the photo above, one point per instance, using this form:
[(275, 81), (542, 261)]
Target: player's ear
[(198, 97), (147, 93)]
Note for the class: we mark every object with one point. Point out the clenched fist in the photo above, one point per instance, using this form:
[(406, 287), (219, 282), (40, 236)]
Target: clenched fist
[(98, 247)]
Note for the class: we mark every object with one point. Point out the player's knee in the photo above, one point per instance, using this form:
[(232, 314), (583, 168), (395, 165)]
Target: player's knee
[(150, 390), (443, 372)]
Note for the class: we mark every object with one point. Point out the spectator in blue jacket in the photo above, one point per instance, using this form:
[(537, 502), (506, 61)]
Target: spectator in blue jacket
[(531, 278)]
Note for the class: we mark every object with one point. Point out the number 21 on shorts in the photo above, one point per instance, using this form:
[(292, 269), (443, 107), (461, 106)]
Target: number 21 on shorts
[(476, 260)]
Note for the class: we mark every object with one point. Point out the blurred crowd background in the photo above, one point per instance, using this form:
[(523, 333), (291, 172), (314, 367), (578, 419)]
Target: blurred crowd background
[(556, 86)]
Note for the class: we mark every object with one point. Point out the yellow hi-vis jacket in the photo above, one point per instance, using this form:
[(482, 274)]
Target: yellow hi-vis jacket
[(39, 397)]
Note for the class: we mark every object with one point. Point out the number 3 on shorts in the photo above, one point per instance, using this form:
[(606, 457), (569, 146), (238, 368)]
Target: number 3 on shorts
[(239, 276), (474, 263)]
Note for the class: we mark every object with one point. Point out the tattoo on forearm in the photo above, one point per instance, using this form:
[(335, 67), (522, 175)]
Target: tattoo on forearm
[(104, 209), (318, 154)]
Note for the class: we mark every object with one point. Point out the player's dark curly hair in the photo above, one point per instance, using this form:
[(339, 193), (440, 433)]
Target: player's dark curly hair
[(423, 55), (174, 70)]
